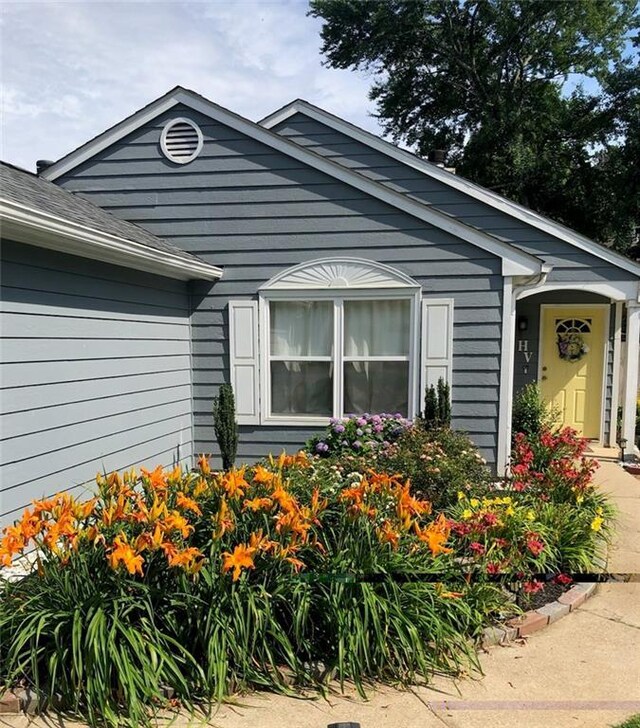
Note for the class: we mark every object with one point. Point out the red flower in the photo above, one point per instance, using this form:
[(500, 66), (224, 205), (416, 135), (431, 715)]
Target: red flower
[(563, 579), (489, 519), (477, 547), (493, 568), (461, 529), (534, 544), (531, 587)]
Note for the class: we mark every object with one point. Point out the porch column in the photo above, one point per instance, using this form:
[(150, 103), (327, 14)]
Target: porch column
[(617, 370), (630, 384), (506, 375)]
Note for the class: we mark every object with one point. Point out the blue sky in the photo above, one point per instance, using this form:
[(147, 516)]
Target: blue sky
[(69, 70)]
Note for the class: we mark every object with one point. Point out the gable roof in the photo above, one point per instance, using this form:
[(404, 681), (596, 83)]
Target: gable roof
[(33, 204), (503, 204), (514, 261)]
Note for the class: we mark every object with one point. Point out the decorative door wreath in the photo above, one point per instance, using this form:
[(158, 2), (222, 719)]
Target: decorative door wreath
[(571, 343)]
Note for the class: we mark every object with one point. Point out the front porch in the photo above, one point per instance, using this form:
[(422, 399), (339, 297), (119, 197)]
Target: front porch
[(580, 343)]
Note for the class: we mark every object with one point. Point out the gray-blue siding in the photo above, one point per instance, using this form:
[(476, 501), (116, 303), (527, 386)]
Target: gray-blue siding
[(95, 373), (570, 264), (255, 212)]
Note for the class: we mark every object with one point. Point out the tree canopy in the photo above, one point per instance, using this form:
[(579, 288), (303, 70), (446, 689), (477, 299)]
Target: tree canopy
[(494, 82)]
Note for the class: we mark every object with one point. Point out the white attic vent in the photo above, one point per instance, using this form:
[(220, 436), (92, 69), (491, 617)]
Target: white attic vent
[(181, 141)]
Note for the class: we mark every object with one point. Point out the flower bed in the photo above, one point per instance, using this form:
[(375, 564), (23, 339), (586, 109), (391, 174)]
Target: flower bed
[(211, 583)]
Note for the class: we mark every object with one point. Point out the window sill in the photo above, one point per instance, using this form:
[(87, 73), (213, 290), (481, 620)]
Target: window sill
[(292, 421)]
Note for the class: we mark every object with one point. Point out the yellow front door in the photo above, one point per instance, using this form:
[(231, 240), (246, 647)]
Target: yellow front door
[(572, 364)]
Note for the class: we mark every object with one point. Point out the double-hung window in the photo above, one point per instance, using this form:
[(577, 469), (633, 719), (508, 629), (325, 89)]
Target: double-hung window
[(338, 354)]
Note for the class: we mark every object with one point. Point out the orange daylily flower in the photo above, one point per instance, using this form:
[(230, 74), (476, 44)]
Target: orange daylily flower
[(201, 487), (42, 506), (234, 482), (258, 504), (84, 510), (203, 464), (175, 521), (435, 535), (223, 520), (388, 534), (157, 511), (241, 558), (190, 559), (187, 504), (11, 544), (317, 505), (384, 481), (284, 499), (297, 564), (169, 549), (261, 543), (157, 478), (286, 521), (408, 506), (262, 475), (441, 592), (149, 540), (30, 525), (122, 553)]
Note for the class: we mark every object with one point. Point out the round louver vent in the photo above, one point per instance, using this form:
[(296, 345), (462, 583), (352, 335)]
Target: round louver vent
[(181, 141)]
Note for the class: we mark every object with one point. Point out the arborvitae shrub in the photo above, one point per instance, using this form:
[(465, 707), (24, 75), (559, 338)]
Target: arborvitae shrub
[(225, 425), (430, 415), (444, 404)]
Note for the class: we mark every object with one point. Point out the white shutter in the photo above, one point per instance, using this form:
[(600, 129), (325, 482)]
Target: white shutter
[(437, 342), (244, 360)]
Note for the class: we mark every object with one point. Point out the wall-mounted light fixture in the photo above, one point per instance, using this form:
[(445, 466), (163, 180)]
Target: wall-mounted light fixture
[(523, 323)]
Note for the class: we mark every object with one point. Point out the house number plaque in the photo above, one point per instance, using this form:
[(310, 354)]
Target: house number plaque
[(523, 348)]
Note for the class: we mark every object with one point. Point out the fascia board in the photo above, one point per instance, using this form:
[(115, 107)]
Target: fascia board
[(34, 227), (461, 184), (525, 262)]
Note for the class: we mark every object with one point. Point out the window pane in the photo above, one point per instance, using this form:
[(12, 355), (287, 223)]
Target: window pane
[(301, 328), (376, 328), (301, 388), (376, 387)]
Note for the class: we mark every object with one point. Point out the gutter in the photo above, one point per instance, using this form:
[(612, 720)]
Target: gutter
[(34, 227)]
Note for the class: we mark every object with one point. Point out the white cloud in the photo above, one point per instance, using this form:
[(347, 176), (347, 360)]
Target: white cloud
[(72, 69)]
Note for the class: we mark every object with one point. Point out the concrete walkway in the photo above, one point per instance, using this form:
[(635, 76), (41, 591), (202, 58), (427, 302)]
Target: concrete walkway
[(581, 672)]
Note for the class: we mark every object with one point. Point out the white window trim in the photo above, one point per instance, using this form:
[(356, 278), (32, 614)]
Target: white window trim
[(412, 294)]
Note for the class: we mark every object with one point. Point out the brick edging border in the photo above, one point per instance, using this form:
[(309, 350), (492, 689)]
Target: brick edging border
[(537, 619)]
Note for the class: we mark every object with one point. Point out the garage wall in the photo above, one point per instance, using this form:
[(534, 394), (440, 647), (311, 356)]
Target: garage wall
[(95, 375)]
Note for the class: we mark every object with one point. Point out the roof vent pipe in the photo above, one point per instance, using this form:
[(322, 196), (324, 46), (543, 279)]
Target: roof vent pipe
[(438, 157), (43, 164)]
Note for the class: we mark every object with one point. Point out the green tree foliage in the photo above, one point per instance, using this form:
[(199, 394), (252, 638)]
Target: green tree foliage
[(437, 406), (444, 404), (225, 425), (493, 83), (430, 415), (531, 414)]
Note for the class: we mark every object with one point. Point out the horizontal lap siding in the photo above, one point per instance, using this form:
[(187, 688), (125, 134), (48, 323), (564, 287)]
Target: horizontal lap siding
[(570, 264), (254, 212), (95, 373)]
